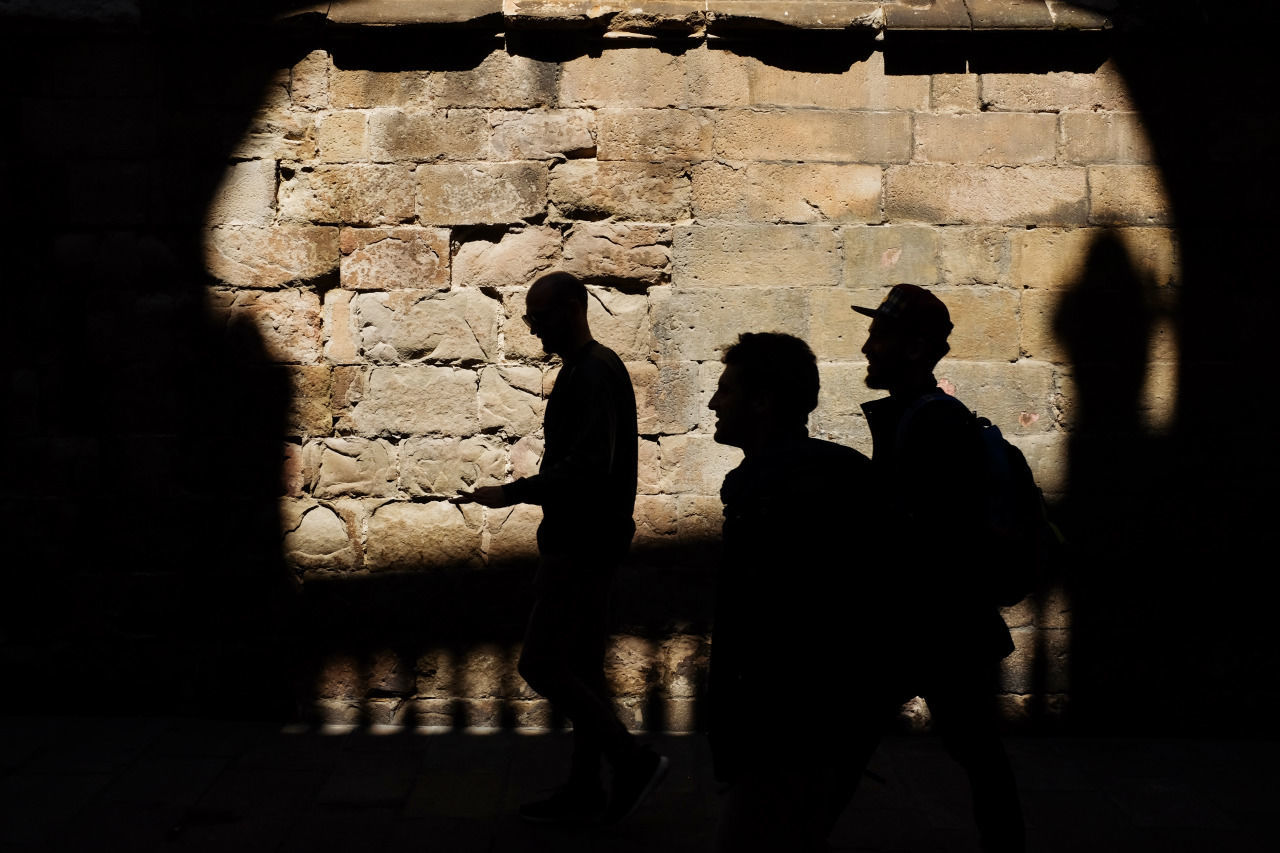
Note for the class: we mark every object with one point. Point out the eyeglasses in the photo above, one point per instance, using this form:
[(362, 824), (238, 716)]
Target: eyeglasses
[(533, 321)]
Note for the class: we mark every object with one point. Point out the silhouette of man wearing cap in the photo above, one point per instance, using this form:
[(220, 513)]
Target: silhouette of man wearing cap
[(587, 489), (928, 458), (787, 611)]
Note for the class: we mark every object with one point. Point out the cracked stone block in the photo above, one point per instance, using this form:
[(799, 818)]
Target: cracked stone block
[(612, 252), (656, 519), (417, 400), (459, 326), (667, 399), (683, 662), (513, 259), (445, 466), (695, 464), (402, 258), (526, 456), (288, 322), (309, 81), (511, 399), (591, 189), (423, 536), (653, 135), (354, 466), (817, 192), (316, 537), (480, 193), (246, 195), (629, 664), (270, 256), (723, 256), (541, 134), (500, 80), (697, 325), (620, 321), (348, 194), (396, 135), (513, 533)]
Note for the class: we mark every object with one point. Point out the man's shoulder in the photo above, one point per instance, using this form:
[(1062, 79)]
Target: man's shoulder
[(832, 454)]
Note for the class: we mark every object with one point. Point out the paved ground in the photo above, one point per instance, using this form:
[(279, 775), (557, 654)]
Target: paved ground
[(93, 784)]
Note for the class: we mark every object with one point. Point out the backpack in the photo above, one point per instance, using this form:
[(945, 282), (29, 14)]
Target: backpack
[(1019, 541)]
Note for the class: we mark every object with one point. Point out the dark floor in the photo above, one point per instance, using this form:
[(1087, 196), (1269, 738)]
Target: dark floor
[(94, 784)]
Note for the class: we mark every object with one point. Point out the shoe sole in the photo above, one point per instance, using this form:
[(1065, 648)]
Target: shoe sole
[(659, 773)]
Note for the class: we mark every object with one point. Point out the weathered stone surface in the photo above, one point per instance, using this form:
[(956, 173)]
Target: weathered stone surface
[(417, 400), (935, 15), (339, 337), (955, 93), (354, 466), (619, 252), (518, 341), (719, 191), (653, 135), (864, 86), (667, 399), (309, 81), (589, 189), (484, 672), (629, 664), (501, 80), (697, 325), (407, 325), (973, 255), (683, 661), (342, 137), (278, 133), (715, 77), (308, 412), (1057, 91), (1105, 138), (397, 136), (352, 194), (1018, 398), (1009, 14), (1023, 195), (1128, 195), (270, 256), (1072, 15), (1048, 458), (1018, 671), (511, 399), (833, 334), (541, 134), (820, 192), (288, 322), (514, 258), (358, 88), (246, 195), (444, 466), (403, 258), (625, 77), (1056, 258), (292, 470), (987, 138), (699, 518), (1039, 317), (752, 254), (890, 254), (526, 456), (842, 392), (986, 322), (422, 536), (695, 464), (316, 537), (809, 135), (513, 533), (456, 194), (620, 321), (656, 519)]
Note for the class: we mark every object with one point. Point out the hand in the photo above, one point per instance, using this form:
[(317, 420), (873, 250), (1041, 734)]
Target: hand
[(490, 496)]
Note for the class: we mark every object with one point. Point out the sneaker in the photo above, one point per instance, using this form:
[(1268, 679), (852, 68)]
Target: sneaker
[(567, 806), (634, 781)]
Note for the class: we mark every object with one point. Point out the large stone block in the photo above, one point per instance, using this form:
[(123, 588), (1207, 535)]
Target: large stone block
[(985, 320), (864, 86), (513, 258), (653, 135), (288, 322), (1048, 459), (698, 325), (1019, 398), (715, 77), (1058, 91), (1040, 339), (841, 394), (501, 80), (623, 77), (511, 399), (819, 192), (753, 254), (270, 256), (457, 194), (512, 533), (700, 518), (589, 189), (417, 400), (339, 332), (656, 520), (683, 663), (1128, 195), (309, 81), (404, 258), (354, 466), (620, 321), (395, 135), (649, 470), (890, 254), (526, 456), (360, 88), (316, 537), (308, 411), (407, 325), (667, 398), (518, 342), (955, 93), (1022, 195), (1105, 138), (342, 137), (833, 333), (445, 466), (245, 196), (695, 464), (1056, 258), (987, 138), (629, 665), (632, 254), (977, 255), (719, 191), (277, 133), (541, 134), (351, 194), (422, 536), (809, 135)]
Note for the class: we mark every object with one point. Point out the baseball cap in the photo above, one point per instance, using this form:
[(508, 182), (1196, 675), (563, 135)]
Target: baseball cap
[(912, 308)]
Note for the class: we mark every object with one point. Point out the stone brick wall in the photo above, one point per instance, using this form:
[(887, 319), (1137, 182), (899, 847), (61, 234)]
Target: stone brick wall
[(378, 225)]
